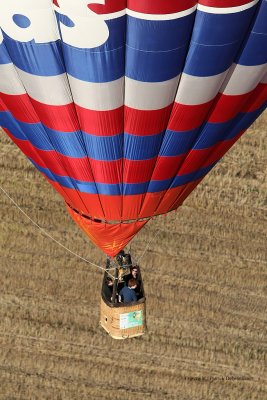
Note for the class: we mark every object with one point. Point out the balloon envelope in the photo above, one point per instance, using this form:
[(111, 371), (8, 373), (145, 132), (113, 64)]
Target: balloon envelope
[(125, 110)]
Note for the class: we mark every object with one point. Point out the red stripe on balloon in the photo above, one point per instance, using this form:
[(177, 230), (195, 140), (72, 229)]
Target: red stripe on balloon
[(67, 196), (3, 106), (107, 171), (257, 99), (25, 109), (112, 206), (227, 107), (60, 118), (101, 123), (131, 206), (187, 117), (20, 106), (160, 6), (118, 208), (63, 118), (146, 122), (127, 119), (166, 167), (76, 168), (223, 3), (81, 169), (138, 171)]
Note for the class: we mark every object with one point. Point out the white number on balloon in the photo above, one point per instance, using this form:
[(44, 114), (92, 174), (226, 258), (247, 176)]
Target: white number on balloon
[(26, 20)]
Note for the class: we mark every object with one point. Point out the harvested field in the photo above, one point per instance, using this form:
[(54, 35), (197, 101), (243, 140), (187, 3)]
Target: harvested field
[(205, 281)]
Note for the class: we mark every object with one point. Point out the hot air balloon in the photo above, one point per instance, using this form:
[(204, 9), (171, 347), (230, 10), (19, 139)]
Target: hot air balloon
[(125, 106)]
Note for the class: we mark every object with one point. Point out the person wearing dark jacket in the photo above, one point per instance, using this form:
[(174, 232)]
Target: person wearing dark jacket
[(127, 293), (108, 288)]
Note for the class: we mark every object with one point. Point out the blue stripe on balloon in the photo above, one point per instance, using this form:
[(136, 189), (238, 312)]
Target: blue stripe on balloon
[(180, 180), (254, 51), (212, 133), (4, 56), (102, 188), (244, 121), (260, 25), (211, 54), (94, 67), (157, 186), (100, 64), (200, 59), (213, 29), (142, 147), (161, 35), (177, 142), (66, 143), (43, 59), (156, 50), (7, 121), (154, 66), (104, 147), (146, 187)]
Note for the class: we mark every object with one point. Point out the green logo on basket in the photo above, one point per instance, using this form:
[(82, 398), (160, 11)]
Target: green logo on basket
[(131, 319)]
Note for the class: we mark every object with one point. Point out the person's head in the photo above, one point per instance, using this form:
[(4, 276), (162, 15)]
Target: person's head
[(109, 281), (134, 272), (132, 283)]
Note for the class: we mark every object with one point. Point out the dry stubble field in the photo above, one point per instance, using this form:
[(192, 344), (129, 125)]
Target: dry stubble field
[(205, 281)]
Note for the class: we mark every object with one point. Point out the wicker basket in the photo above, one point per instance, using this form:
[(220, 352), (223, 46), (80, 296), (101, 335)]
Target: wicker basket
[(123, 321)]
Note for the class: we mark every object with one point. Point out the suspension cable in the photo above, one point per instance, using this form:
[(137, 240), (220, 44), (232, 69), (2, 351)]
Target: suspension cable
[(113, 265), (44, 232)]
